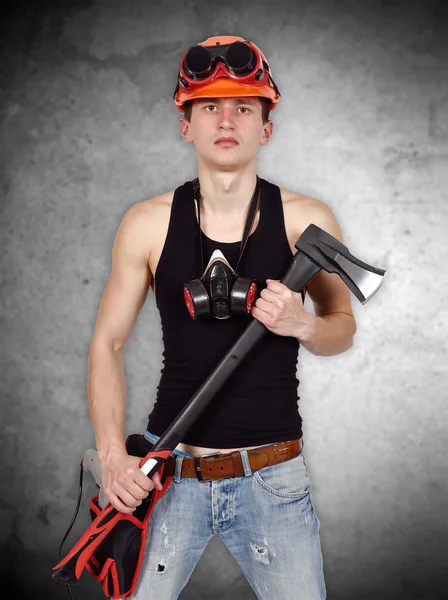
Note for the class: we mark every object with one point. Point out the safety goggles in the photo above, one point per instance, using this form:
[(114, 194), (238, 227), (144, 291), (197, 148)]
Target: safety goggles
[(239, 61)]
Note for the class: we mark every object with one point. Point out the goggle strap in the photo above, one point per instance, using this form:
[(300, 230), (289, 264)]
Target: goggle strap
[(272, 82)]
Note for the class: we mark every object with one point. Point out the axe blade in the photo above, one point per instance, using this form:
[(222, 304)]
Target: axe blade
[(330, 254), (368, 282)]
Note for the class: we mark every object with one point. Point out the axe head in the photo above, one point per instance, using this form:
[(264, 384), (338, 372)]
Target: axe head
[(332, 256)]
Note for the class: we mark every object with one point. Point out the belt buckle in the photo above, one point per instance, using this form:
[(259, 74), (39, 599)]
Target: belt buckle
[(197, 465)]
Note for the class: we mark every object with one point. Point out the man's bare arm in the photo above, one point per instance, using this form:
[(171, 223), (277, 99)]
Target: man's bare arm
[(122, 301), (124, 483), (331, 329), (333, 326)]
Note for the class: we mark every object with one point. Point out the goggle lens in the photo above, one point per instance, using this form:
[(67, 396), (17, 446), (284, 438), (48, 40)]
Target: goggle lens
[(241, 58), (198, 61)]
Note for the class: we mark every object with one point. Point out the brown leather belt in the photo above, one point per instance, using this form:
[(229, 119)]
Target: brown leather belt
[(221, 466)]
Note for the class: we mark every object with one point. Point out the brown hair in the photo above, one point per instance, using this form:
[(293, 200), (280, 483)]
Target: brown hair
[(264, 109)]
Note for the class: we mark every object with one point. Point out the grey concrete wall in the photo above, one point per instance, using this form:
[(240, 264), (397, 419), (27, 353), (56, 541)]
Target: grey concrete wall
[(88, 128)]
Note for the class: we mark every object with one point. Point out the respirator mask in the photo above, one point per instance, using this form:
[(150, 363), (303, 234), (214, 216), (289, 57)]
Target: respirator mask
[(221, 292)]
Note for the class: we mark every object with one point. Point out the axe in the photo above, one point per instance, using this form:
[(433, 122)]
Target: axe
[(316, 250)]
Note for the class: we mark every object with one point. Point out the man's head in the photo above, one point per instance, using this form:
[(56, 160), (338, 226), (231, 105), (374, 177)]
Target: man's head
[(225, 89)]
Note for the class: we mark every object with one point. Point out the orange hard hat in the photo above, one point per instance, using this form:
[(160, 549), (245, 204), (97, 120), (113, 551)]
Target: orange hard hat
[(224, 67)]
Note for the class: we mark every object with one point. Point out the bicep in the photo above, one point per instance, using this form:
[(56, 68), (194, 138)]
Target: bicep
[(128, 284), (327, 291)]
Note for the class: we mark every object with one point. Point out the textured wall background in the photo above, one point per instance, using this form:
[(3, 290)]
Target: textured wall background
[(89, 128)]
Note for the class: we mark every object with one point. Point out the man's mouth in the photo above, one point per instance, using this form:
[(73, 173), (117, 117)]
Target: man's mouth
[(226, 142)]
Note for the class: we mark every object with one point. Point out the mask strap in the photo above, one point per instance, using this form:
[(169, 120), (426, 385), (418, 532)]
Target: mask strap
[(197, 197), (254, 204)]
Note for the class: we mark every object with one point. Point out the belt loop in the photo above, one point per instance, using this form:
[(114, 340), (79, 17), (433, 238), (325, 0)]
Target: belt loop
[(178, 468), (246, 463)]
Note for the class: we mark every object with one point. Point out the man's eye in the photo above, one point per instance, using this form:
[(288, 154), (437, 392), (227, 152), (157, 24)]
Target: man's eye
[(244, 108), (210, 106)]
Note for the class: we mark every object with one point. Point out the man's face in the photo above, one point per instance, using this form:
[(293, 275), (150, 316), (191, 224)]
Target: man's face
[(238, 118)]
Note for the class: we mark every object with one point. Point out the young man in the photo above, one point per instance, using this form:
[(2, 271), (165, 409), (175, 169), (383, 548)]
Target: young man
[(258, 496)]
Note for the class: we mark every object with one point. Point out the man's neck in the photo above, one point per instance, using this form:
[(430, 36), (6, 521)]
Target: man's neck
[(226, 194)]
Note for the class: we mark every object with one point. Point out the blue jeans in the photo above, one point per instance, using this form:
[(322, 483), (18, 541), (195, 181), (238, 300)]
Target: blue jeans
[(266, 519)]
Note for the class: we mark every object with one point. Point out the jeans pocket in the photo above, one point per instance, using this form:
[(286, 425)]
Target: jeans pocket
[(286, 480)]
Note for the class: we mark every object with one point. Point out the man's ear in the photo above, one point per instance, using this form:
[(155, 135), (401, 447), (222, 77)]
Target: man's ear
[(185, 130), (267, 133)]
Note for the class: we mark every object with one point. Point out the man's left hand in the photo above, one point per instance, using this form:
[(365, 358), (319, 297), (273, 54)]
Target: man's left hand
[(281, 311)]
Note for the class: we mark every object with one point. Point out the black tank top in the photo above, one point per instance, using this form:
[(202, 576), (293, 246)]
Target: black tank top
[(258, 403)]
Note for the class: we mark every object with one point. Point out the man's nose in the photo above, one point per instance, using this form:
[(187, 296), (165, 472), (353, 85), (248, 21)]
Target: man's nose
[(225, 117)]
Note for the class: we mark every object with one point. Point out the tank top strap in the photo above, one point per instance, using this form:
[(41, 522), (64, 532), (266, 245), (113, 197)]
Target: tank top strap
[(272, 216), (183, 235), (272, 208), (182, 210), (274, 227)]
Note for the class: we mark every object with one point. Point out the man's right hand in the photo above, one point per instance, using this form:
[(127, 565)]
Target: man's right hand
[(124, 484)]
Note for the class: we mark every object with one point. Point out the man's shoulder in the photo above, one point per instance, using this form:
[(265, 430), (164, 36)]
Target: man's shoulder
[(156, 204), (146, 221), (300, 211), (151, 212), (296, 201)]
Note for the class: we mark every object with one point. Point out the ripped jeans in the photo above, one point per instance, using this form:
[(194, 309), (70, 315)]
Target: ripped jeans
[(266, 519)]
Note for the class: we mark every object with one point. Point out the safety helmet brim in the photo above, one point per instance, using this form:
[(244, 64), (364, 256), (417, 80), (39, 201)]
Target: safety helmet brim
[(222, 87)]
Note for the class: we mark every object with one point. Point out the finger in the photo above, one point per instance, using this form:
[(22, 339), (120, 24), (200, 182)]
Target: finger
[(268, 294), (157, 481), (263, 317), (140, 478), (127, 496), (118, 504), (273, 282), (136, 490), (277, 287), (265, 306), (273, 297), (146, 483)]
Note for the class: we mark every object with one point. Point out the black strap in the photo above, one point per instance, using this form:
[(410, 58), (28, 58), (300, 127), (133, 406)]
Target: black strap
[(254, 204)]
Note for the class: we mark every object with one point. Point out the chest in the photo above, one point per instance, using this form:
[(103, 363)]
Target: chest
[(227, 232)]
